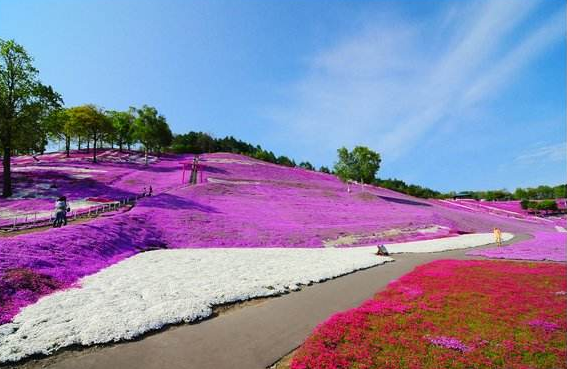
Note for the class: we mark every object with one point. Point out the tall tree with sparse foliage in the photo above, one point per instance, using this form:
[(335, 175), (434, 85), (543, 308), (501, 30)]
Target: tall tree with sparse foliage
[(151, 129), (60, 127), (24, 103), (361, 164)]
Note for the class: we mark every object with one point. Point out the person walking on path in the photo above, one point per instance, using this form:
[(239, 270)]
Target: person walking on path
[(151, 190), (60, 212), (498, 236)]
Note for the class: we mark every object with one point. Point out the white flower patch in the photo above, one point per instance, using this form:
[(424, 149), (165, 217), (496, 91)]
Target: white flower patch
[(432, 229), (155, 288), (447, 243), (35, 168), (141, 159), (223, 181), (233, 161)]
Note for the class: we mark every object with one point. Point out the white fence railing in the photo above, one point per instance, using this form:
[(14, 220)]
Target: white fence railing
[(40, 218)]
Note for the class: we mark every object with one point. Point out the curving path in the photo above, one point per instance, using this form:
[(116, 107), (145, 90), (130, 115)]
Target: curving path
[(251, 337)]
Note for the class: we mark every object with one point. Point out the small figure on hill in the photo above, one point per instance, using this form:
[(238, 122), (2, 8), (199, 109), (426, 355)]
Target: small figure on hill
[(382, 251), (144, 192), (60, 212), (150, 192), (498, 236)]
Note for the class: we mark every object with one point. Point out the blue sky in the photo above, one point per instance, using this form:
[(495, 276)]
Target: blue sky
[(455, 95)]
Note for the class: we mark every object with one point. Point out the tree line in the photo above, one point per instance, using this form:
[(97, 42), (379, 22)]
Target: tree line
[(542, 192), (88, 124), (409, 189), (200, 143), (539, 206)]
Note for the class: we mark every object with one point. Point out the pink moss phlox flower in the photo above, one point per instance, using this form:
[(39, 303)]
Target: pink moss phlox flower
[(546, 325), (411, 292), (544, 246), (478, 321), (381, 307), (450, 343)]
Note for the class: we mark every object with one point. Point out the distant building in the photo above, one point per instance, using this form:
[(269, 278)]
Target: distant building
[(463, 195)]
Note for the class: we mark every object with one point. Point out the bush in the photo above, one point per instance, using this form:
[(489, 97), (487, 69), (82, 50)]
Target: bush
[(547, 205), (525, 204)]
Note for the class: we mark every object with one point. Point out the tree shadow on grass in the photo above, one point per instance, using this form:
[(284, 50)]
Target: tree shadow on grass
[(169, 201), (52, 184), (211, 169), (403, 201)]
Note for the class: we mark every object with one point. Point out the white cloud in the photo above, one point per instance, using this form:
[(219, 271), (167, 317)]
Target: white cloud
[(396, 80), (544, 154)]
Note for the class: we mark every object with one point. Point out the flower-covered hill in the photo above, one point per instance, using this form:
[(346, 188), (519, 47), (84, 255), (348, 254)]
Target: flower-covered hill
[(243, 202), (238, 202)]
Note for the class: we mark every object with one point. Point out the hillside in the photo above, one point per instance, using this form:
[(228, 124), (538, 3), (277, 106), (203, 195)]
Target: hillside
[(238, 202)]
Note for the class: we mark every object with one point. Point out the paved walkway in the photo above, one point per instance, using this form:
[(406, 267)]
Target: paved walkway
[(253, 337)]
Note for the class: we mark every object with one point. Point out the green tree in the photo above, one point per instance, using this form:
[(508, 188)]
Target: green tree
[(60, 126), (24, 103), (560, 192), (306, 165), (525, 204), (151, 130), (547, 205), (284, 160), (91, 120), (520, 194), (324, 169), (361, 164), (123, 127), (264, 155), (206, 143), (164, 136)]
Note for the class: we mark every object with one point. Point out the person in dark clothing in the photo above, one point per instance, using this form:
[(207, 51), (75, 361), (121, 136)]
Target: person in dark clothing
[(382, 251), (150, 191), (60, 212)]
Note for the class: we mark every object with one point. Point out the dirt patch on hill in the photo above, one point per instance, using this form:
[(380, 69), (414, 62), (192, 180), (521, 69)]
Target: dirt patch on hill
[(381, 236)]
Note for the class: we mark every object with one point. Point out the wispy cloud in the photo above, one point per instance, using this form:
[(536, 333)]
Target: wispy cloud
[(544, 154), (397, 80)]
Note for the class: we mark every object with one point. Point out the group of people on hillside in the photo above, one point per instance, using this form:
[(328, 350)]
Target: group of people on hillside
[(147, 192)]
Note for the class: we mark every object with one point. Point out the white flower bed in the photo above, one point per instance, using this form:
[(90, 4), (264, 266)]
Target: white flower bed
[(445, 244), (162, 287), (152, 289)]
